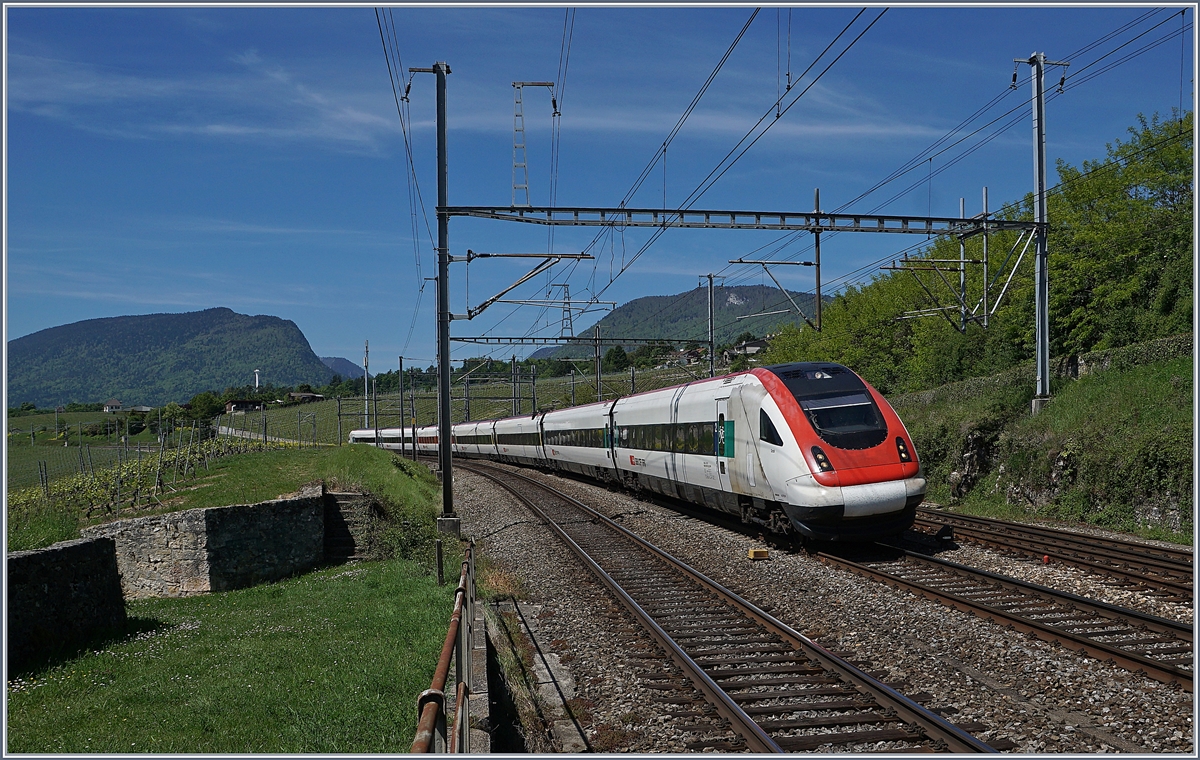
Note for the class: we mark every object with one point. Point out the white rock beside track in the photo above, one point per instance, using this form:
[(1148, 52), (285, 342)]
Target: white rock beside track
[(1043, 697)]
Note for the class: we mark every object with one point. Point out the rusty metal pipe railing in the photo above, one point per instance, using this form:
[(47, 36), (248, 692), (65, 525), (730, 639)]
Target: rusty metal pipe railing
[(457, 739), (431, 705)]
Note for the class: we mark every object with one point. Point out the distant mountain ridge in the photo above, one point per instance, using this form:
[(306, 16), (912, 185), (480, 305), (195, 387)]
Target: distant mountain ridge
[(345, 368), (158, 358), (685, 316)]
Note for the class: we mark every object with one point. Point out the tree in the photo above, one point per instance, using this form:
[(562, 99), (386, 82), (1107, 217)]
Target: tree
[(205, 405), (648, 355), (615, 360)]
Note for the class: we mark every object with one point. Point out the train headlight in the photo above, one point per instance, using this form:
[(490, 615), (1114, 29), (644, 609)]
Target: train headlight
[(902, 447), (822, 460)]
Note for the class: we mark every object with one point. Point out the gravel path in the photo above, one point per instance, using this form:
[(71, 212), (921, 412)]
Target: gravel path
[(1043, 697)]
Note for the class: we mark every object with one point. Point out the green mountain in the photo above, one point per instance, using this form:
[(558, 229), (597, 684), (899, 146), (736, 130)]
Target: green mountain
[(684, 316), (153, 359)]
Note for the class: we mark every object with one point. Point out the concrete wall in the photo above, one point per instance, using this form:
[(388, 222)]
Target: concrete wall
[(62, 595), (218, 548)]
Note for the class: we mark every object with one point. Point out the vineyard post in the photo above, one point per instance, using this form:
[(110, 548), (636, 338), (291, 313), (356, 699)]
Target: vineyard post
[(158, 468), (137, 490), (178, 443), (188, 460)]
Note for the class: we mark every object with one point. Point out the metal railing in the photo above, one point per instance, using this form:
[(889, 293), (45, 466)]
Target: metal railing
[(432, 734)]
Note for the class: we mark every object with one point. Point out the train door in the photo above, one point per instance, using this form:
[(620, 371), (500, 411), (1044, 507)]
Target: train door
[(675, 466), (724, 443)]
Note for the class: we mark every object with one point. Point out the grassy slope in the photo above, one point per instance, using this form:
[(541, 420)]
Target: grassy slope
[(1118, 442), (330, 661), (249, 478)]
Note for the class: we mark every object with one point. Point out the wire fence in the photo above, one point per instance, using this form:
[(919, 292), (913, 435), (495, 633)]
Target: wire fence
[(126, 477), (330, 421), (104, 478)]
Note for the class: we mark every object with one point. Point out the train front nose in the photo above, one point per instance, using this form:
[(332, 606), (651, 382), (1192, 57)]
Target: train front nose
[(852, 513)]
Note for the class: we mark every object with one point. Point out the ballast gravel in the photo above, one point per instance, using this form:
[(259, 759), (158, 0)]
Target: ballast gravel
[(1042, 697)]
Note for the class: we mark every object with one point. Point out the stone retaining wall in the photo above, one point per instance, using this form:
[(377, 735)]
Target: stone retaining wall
[(59, 596), (218, 548)]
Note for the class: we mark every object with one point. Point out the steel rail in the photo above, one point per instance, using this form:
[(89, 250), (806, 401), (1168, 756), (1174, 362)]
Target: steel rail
[(935, 727), (1147, 571), (1159, 671), (756, 738), (1180, 558)]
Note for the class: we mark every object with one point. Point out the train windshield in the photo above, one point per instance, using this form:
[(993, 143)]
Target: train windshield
[(836, 403)]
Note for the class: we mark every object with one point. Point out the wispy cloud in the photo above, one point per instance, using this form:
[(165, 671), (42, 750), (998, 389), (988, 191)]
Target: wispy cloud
[(252, 99)]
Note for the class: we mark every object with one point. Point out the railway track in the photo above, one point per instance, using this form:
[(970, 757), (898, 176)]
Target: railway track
[(1159, 571), (778, 690), (1158, 647)]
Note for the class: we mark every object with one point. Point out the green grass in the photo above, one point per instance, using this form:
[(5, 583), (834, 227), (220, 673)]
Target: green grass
[(332, 661), (1119, 443), (407, 493)]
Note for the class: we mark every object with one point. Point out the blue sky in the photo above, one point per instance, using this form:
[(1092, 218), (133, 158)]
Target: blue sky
[(180, 158)]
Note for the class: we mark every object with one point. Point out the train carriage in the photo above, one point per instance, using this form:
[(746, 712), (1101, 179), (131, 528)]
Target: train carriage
[(393, 439), (474, 439), (806, 448), (645, 440), (427, 440), (519, 440), (578, 440)]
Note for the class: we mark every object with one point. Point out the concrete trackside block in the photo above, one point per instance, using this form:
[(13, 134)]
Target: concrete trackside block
[(481, 741), (550, 683)]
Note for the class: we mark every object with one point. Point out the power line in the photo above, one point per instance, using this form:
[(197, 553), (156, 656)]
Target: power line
[(700, 189), (725, 164), (1024, 113)]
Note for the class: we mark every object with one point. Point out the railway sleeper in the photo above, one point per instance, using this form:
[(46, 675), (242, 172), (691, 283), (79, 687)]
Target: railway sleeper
[(803, 743), (696, 631), (844, 704), (719, 674), (1165, 650), (850, 719), (761, 696), (728, 683), (1145, 640), (699, 638), (747, 660), (729, 648)]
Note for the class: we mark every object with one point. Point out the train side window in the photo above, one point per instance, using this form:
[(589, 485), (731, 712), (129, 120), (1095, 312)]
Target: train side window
[(720, 435), (766, 429)]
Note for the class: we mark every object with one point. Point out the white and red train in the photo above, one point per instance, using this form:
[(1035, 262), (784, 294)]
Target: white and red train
[(808, 447)]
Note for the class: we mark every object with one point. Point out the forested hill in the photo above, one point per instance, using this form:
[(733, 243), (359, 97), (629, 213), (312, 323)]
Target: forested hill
[(685, 316), (154, 359), (1120, 268)]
